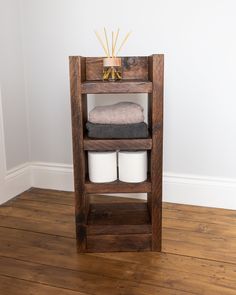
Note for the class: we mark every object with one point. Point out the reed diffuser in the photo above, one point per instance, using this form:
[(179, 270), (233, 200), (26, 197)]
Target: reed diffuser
[(112, 70)]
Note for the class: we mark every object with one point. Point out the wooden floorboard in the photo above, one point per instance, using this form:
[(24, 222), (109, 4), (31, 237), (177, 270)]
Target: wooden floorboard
[(38, 252)]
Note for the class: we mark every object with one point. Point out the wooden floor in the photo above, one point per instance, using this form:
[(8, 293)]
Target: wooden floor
[(38, 256)]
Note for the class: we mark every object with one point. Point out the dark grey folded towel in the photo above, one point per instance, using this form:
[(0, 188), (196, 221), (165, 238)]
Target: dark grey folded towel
[(137, 130)]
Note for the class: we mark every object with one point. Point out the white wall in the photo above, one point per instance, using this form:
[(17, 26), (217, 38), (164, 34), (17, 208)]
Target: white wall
[(198, 40), (14, 140), (2, 152), (13, 85)]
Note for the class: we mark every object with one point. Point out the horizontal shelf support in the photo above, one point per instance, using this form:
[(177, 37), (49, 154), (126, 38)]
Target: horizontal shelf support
[(99, 87), (117, 144), (117, 187)]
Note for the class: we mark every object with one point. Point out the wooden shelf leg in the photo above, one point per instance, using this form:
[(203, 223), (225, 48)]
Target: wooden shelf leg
[(156, 69)]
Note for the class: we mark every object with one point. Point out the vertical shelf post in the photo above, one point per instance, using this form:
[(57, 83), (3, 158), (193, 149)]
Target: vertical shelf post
[(78, 107), (155, 101)]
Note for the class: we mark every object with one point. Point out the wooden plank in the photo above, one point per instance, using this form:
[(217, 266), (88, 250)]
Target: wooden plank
[(186, 274), (36, 214), (117, 144), (191, 209), (133, 67), (118, 229), (156, 75), (51, 199), (206, 228), (99, 87), (13, 286), (113, 199), (200, 216), (183, 273), (46, 207), (213, 240), (79, 282), (117, 187), (57, 228), (111, 243), (50, 192), (118, 214), (77, 76)]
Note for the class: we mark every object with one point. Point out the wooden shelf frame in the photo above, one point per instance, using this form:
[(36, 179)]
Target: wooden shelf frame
[(117, 144), (140, 75), (123, 86)]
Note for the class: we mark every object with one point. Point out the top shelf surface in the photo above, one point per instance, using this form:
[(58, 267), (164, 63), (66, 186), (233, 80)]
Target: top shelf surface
[(123, 86)]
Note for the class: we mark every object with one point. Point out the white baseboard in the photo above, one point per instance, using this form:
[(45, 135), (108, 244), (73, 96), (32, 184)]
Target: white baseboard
[(177, 188), (52, 176), (200, 191), (17, 180)]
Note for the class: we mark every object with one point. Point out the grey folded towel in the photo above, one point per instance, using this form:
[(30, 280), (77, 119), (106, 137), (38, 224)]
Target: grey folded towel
[(119, 113), (137, 130)]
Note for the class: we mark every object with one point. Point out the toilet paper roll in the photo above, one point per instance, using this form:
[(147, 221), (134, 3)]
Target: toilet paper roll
[(102, 166), (132, 166)]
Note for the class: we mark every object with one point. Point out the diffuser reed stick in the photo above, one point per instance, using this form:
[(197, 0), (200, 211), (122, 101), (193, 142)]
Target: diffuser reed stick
[(117, 34), (105, 45), (112, 37), (105, 32), (101, 42), (123, 43)]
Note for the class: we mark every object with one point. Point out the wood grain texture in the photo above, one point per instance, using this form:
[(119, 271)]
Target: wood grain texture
[(140, 75), (118, 214), (117, 144), (123, 86), (199, 252), (14, 286), (156, 75), (133, 67), (121, 242), (77, 76), (119, 229), (117, 187)]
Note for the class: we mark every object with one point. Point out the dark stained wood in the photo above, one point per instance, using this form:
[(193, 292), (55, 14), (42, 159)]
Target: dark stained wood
[(113, 243), (117, 144), (140, 75), (118, 214), (101, 199), (117, 187), (199, 253), (77, 76), (99, 87), (156, 74), (119, 229), (133, 67)]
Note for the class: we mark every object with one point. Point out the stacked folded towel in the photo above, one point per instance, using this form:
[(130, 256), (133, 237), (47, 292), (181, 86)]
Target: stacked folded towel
[(120, 120)]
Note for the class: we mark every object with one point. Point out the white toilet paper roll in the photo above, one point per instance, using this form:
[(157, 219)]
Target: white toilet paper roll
[(132, 166), (102, 166)]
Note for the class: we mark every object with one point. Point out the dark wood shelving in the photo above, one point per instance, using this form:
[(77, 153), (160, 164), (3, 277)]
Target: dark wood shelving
[(123, 86), (117, 144), (113, 224), (117, 187)]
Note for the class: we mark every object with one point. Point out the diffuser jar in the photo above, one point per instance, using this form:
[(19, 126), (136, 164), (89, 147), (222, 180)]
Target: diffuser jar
[(112, 69)]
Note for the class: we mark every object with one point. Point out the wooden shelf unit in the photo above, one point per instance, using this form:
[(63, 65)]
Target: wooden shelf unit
[(108, 225)]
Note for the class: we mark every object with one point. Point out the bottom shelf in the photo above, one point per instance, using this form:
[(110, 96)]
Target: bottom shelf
[(118, 225)]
